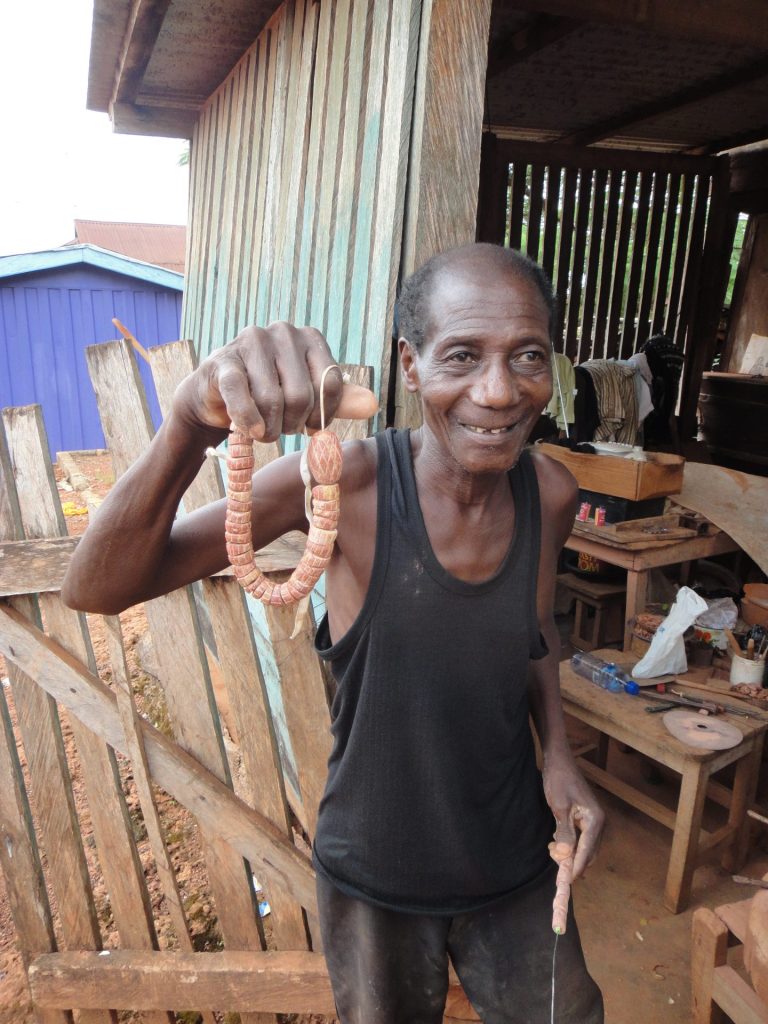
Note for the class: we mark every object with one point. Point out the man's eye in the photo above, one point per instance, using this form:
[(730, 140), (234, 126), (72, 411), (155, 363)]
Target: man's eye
[(533, 356), (461, 357)]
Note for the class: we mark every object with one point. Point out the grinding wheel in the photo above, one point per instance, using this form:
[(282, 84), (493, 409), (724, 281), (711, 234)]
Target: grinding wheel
[(702, 731)]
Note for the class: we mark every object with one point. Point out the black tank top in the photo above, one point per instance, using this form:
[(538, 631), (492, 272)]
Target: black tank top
[(434, 803)]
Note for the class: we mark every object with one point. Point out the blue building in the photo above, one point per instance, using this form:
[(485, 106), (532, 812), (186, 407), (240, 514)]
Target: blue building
[(55, 303)]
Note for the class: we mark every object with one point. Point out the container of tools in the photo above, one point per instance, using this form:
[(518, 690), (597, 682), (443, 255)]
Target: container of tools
[(748, 657)]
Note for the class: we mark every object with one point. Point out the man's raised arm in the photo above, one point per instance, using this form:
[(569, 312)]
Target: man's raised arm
[(267, 381)]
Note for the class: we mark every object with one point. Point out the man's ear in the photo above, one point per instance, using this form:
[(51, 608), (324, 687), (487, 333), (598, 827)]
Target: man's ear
[(408, 365)]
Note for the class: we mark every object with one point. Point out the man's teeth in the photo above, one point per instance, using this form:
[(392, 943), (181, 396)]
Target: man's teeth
[(482, 430)]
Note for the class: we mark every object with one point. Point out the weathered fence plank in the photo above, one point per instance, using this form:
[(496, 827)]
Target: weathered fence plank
[(32, 567), (285, 982), (134, 745), (38, 566)]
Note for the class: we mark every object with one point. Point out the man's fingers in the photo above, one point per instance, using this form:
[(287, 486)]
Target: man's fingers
[(231, 380), (591, 827)]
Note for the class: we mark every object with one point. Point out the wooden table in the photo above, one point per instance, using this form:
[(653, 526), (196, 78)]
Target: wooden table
[(638, 563), (623, 718)]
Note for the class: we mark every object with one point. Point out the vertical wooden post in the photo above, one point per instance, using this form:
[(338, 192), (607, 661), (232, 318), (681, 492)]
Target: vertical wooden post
[(444, 171), (492, 198), (702, 334), (709, 949)]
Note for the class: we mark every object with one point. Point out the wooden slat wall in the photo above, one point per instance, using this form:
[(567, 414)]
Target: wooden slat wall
[(298, 172), (620, 233)]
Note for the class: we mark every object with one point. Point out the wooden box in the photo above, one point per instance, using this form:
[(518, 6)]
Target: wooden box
[(659, 475)]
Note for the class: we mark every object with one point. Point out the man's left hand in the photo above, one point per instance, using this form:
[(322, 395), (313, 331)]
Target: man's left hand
[(579, 817)]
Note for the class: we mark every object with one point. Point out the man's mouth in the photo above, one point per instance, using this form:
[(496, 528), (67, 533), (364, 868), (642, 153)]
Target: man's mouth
[(488, 430)]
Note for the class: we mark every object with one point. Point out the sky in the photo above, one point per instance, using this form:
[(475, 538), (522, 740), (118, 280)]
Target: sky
[(59, 161)]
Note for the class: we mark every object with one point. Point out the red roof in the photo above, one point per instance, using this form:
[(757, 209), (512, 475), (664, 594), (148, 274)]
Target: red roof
[(163, 245)]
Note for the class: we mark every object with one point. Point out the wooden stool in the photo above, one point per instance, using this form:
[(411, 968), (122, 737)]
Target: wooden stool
[(599, 613), (717, 988)]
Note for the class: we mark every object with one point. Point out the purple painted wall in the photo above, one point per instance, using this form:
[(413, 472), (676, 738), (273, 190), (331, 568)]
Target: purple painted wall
[(46, 320)]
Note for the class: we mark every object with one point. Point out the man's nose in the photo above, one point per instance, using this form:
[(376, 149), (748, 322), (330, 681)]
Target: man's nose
[(497, 388)]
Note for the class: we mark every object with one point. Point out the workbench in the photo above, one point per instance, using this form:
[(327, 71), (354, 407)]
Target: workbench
[(623, 717), (638, 563)]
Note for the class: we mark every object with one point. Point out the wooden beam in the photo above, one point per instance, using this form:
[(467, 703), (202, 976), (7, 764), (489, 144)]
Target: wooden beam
[(213, 803), (553, 153), (143, 28), (291, 982), (283, 982), (724, 82), (38, 566), (167, 122), (721, 145), (34, 566), (514, 47), (727, 22)]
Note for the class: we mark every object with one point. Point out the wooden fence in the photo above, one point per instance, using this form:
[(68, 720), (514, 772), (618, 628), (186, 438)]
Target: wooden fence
[(635, 243), (248, 819)]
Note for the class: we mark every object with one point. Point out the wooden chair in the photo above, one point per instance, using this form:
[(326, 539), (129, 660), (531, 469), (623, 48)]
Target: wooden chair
[(718, 990)]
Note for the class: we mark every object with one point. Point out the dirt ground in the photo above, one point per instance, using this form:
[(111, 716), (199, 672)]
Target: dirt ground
[(637, 951)]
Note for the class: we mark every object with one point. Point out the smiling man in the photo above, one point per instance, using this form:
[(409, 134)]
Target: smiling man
[(433, 833)]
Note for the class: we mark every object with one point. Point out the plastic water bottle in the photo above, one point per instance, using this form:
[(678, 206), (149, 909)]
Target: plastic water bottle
[(605, 674)]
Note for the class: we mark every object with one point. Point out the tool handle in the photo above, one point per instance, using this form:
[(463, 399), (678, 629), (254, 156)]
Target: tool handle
[(733, 643)]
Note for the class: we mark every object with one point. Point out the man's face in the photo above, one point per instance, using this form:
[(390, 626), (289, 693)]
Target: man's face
[(484, 371)]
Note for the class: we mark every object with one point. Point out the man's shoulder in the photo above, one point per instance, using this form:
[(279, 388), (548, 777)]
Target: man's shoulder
[(359, 465), (557, 485)]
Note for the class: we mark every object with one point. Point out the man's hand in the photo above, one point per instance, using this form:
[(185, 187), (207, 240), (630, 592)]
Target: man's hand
[(266, 381), (579, 817)]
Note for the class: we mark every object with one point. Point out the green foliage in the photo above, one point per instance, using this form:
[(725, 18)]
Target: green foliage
[(738, 244)]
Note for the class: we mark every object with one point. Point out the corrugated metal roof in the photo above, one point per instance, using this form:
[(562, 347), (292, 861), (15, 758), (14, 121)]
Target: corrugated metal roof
[(50, 259), (161, 244)]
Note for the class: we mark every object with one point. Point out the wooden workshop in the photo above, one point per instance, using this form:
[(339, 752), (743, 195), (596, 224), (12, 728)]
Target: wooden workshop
[(335, 145)]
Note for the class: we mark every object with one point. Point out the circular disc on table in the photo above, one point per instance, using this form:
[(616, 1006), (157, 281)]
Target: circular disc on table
[(703, 731)]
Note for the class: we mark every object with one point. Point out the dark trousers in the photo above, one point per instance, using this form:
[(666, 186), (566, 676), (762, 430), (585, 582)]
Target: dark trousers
[(388, 967)]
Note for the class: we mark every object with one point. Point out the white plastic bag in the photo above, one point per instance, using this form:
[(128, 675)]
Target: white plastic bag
[(666, 655), (721, 613)]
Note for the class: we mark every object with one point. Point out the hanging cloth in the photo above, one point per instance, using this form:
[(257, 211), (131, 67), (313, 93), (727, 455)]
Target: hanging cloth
[(562, 411), (616, 400)]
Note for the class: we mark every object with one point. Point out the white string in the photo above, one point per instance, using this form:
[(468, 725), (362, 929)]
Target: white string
[(333, 366), (552, 1007), (560, 393)]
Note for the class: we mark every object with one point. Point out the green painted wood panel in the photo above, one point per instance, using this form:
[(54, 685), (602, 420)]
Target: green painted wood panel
[(298, 171)]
